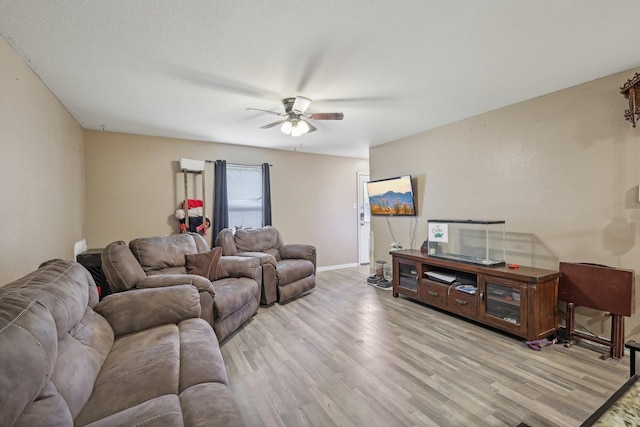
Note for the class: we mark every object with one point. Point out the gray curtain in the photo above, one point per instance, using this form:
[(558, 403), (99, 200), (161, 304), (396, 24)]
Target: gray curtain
[(266, 195), (220, 202)]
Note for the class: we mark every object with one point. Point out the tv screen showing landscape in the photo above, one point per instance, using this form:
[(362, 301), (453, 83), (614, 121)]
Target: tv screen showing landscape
[(392, 197)]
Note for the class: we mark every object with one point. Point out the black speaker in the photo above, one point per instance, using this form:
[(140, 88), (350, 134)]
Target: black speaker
[(91, 259)]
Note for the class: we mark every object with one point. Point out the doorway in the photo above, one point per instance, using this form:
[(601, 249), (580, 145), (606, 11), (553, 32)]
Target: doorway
[(364, 220)]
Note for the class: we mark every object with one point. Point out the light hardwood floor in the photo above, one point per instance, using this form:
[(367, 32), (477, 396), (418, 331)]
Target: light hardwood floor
[(349, 354)]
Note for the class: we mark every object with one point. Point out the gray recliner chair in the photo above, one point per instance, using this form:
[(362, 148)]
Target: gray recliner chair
[(161, 261), (288, 270)]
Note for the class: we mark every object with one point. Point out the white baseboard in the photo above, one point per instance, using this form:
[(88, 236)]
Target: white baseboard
[(336, 267)]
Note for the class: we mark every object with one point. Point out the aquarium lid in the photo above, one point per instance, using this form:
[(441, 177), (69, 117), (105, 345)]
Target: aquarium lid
[(468, 221)]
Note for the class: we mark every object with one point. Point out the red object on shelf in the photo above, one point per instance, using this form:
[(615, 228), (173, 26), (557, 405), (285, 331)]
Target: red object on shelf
[(192, 203)]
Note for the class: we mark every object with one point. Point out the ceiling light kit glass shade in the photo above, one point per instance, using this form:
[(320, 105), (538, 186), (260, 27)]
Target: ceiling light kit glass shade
[(295, 127), (294, 123)]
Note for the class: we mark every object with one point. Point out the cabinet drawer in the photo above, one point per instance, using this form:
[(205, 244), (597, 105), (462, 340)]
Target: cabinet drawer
[(463, 304), (433, 293)]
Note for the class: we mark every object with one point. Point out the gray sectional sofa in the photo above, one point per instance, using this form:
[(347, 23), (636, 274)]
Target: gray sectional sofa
[(134, 358), (161, 261)]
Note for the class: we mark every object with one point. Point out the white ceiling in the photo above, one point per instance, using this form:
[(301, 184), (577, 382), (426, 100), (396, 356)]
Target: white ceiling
[(189, 69)]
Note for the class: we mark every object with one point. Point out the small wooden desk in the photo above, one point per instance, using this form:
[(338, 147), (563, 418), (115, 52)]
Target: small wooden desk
[(603, 288)]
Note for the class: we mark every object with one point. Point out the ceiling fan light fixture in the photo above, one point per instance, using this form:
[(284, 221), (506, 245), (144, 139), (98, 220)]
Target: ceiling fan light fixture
[(302, 127), (295, 119), (287, 127), (295, 127)]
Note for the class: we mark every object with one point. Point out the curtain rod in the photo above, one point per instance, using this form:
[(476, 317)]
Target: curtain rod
[(236, 164)]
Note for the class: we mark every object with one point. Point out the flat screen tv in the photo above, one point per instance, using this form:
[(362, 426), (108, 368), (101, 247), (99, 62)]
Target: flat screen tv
[(392, 197)]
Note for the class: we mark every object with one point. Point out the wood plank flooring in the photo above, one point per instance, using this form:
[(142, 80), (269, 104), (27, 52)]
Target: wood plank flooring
[(349, 354)]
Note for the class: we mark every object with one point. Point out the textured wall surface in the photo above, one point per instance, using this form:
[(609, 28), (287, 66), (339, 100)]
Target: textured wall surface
[(41, 172), (562, 170), (134, 187)]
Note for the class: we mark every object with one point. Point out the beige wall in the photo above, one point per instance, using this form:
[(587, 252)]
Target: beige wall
[(134, 187), (41, 172), (562, 170)]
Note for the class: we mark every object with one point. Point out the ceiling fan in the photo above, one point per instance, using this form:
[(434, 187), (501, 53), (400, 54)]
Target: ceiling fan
[(296, 120)]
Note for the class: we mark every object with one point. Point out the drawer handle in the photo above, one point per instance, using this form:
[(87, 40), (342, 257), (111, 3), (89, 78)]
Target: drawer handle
[(461, 301), (433, 293)]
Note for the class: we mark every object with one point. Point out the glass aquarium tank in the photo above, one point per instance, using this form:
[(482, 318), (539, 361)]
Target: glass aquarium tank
[(472, 241)]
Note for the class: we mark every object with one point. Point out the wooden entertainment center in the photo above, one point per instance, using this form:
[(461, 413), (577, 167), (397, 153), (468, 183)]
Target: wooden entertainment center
[(522, 301)]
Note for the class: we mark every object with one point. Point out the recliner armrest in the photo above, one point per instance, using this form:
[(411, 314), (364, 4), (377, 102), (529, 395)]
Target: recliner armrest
[(140, 309), (298, 251), (263, 257), (201, 283), (242, 266)]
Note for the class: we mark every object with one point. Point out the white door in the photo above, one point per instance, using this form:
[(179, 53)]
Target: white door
[(364, 220)]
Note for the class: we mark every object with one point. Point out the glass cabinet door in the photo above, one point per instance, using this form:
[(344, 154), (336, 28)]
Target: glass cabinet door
[(504, 303), (408, 276)]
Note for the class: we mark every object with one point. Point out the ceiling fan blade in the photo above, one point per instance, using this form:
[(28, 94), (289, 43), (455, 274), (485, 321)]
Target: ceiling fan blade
[(266, 111), (312, 128), (327, 116), (301, 104), (270, 125)]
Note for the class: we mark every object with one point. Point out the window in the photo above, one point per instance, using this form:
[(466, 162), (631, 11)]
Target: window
[(244, 194)]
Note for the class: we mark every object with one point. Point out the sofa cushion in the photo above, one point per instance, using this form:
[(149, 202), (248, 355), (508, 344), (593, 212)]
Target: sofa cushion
[(224, 239), (232, 294), (290, 270), (81, 354), (200, 362), (201, 244), (64, 288), (161, 411), (206, 264), (257, 239), (142, 309), (48, 408), (155, 254), (141, 366), (198, 411), (28, 351), (121, 267)]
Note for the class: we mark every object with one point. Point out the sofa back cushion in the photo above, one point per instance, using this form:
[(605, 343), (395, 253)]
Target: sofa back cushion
[(52, 344), (121, 267), (201, 244), (224, 239), (28, 352), (264, 239), (164, 254)]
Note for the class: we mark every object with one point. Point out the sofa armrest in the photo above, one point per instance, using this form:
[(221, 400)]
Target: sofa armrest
[(263, 257), (297, 251), (140, 309), (242, 266), (202, 284)]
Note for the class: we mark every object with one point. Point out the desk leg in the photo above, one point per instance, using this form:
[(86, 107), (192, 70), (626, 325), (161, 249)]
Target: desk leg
[(570, 324), (617, 336)]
